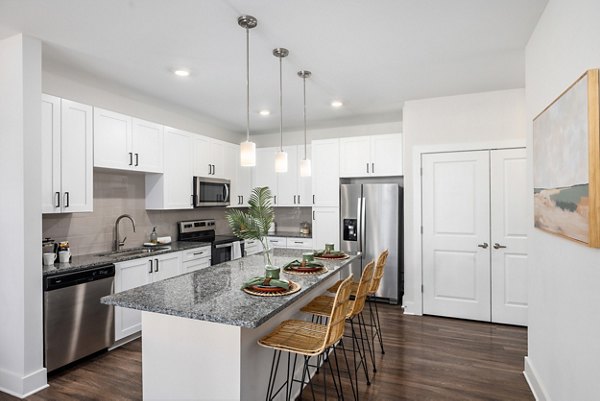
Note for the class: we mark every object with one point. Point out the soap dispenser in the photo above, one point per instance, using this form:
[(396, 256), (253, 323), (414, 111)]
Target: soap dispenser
[(153, 236)]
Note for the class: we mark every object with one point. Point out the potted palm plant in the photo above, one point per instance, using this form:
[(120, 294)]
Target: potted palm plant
[(254, 222)]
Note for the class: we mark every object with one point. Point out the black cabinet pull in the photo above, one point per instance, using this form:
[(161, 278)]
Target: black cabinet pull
[(214, 169), (294, 199), (67, 199), (150, 271), (313, 199), (367, 168), (314, 215), (130, 159), (57, 199), (298, 199), (372, 168), (242, 196), (275, 199), (156, 266), (137, 159), (209, 169)]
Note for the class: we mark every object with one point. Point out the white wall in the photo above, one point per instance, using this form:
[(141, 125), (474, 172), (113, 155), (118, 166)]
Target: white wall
[(21, 370), (297, 137), (118, 98), (473, 121), (564, 291)]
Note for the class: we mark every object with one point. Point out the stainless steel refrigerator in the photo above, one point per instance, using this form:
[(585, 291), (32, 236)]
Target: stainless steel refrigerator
[(371, 221)]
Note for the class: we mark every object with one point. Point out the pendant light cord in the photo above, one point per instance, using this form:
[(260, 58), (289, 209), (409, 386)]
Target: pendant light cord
[(247, 85), (280, 107), (304, 86)]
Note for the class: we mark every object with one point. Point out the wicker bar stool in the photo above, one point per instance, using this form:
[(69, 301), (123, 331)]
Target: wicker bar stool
[(373, 316), (310, 339), (322, 305)]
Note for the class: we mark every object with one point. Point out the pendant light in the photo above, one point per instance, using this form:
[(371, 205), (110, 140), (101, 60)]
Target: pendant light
[(247, 148), (281, 157), (305, 167)]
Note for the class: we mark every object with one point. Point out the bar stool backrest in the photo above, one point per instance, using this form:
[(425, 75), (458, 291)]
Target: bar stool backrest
[(363, 288), (381, 259), (337, 320)]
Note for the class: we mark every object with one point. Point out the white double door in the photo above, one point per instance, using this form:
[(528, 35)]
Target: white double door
[(474, 235)]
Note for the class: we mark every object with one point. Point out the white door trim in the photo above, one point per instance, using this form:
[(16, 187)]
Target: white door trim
[(415, 307)]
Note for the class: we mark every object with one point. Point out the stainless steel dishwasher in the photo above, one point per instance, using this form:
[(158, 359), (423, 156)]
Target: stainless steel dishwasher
[(76, 324)]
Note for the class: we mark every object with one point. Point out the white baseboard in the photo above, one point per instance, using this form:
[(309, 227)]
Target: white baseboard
[(22, 387), (534, 383), (410, 308)]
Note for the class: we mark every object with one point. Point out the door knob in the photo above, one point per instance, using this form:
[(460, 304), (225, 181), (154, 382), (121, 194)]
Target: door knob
[(498, 246), (484, 245)]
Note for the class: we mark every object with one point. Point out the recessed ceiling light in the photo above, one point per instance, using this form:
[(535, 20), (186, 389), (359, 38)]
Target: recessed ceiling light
[(182, 73), (336, 103), (264, 112)]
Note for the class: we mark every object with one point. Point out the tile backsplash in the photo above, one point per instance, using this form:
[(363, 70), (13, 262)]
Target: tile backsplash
[(116, 193)]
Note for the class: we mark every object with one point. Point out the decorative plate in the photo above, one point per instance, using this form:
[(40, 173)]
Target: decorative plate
[(294, 287)]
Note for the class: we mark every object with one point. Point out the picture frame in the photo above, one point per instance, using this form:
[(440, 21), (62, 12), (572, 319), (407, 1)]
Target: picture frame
[(566, 163)]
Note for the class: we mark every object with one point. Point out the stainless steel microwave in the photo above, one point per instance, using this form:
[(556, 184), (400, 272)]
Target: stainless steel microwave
[(211, 192)]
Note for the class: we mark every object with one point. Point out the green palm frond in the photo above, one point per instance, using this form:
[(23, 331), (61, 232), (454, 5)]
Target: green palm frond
[(255, 222)]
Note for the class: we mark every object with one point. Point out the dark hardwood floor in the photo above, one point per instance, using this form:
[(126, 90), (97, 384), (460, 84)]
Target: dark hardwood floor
[(427, 359)]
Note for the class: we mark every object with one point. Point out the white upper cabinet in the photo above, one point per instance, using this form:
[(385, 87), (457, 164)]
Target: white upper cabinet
[(241, 184), (67, 156), (371, 156), (125, 143), (292, 189), (264, 171), (147, 140), (174, 188), (326, 172), (213, 158)]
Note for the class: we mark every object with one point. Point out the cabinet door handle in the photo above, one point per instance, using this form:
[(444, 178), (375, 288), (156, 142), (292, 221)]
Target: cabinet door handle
[(314, 215), (198, 253), (242, 197), (137, 159), (67, 199), (294, 199), (367, 168), (313, 199), (130, 159), (484, 245), (150, 271), (275, 199), (214, 169), (192, 200), (498, 246), (372, 168), (298, 242), (209, 169), (57, 199), (156, 266)]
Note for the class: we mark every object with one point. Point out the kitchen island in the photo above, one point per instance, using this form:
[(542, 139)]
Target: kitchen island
[(199, 330)]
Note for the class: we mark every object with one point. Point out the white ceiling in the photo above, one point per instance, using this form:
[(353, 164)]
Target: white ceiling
[(372, 55)]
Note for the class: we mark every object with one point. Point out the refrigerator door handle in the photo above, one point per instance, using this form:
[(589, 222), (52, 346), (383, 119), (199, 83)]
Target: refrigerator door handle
[(363, 202), (359, 223)]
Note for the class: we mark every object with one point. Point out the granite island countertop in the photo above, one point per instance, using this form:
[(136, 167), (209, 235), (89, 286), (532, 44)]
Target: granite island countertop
[(82, 262), (214, 295)]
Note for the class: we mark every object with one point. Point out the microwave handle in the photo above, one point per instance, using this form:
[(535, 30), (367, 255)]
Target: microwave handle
[(229, 245), (226, 192)]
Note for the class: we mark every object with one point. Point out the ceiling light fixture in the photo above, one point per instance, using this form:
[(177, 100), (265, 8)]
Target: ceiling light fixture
[(336, 104), (265, 112), (305, 166), (247, 148), (182, 73), (281, 157)]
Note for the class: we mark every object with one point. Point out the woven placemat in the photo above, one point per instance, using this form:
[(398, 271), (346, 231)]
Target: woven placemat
[(326, 258), (312, 272), (294, 287)]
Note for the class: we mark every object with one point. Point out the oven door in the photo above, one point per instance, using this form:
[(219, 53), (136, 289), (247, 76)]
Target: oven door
[(221, 253), (211, 192)]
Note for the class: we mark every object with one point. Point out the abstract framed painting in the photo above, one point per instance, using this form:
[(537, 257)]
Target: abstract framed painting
[(566, 163)]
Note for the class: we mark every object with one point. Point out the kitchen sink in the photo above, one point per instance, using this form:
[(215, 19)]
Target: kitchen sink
[(136, 251)]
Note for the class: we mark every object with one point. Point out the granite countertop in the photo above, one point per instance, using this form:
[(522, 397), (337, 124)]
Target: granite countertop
[(214, 295), (82, 262), (287, 234)]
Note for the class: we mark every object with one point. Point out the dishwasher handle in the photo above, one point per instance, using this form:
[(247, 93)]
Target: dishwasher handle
[(69, 279)]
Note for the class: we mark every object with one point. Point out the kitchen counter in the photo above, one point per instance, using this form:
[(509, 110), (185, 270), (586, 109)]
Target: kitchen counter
[(288, 234), (86, 261), (214, 294), (200, 330)]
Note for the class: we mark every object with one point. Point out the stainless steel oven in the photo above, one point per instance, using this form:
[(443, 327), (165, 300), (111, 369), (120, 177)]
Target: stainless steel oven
[(211, 192)]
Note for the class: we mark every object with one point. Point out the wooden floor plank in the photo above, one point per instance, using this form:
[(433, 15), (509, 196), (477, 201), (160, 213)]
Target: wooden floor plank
[(427, 359)]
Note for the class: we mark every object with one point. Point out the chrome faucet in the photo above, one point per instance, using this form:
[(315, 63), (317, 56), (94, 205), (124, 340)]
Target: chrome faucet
[(118, 243)]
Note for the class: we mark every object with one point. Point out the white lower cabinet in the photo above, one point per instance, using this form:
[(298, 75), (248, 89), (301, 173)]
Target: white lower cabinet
[(277, 242), (196, 259), (252, 247), (291, 242), (326, 227), (137, 272)]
